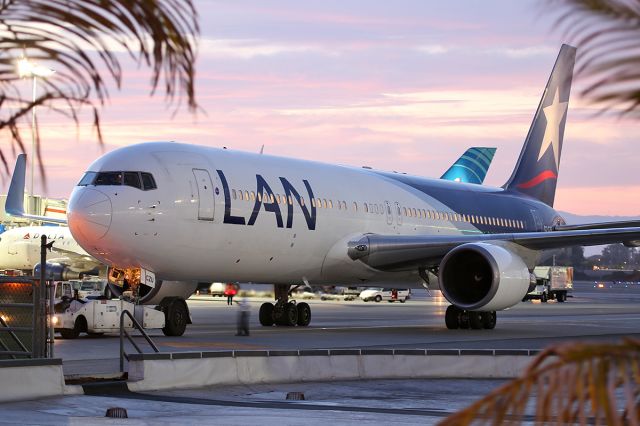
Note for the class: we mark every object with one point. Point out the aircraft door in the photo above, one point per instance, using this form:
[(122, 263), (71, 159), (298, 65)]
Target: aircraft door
[(205, 194), (398, 213), (536, 220), (387, 207)]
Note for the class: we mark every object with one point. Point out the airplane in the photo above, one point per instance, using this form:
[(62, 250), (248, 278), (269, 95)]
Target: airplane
[(472, 166), (183, 213), (20, 249)]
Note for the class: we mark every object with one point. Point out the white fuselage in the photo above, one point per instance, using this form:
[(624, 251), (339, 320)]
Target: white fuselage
[(20, 247), (181, 230)]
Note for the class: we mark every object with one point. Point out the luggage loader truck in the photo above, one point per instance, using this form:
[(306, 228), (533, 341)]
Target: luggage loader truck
[(552, 282)]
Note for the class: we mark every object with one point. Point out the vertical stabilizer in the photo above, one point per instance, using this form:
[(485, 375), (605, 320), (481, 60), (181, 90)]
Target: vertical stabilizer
[(536, 173), (472, 166)]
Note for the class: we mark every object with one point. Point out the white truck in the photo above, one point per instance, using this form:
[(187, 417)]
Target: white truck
[(98, 316), (552, 282), (389, 294)]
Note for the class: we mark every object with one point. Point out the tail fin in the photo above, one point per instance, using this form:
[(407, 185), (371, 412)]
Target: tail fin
[(536, 172), (472, 166), (15, 197)]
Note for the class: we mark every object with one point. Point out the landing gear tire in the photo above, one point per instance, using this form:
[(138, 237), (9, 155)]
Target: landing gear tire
[(266, 314), (287, 315), (456, 318), (489, 320), (378, 299), (304, 314), (452, 317), (562, 297), (475, 320), (176, 318), (543, 298)]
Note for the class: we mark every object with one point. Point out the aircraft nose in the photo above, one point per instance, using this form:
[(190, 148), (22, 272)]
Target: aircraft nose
[(89, 214)]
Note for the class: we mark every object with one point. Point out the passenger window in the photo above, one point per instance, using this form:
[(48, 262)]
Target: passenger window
[(330, 204), (87, 179), (301, 201), (290, 199), (355, 206), (404, 211), (109, 178), (253, 195), (233, 193), (366, 208), (259, 195), (148, 182)]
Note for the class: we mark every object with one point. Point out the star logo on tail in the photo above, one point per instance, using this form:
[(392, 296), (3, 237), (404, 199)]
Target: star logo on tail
[(554, 114)]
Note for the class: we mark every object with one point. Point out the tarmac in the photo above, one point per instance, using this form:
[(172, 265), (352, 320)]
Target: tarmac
[(593, 314)]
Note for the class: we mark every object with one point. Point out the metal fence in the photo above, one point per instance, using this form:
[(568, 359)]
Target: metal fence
[(23, 315)]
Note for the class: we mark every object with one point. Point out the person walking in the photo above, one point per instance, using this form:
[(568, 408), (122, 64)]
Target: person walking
[(243, 317)]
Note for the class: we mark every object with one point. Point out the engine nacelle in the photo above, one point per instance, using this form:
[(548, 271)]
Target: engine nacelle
[(483, 277), (57, 272), (163, 289)]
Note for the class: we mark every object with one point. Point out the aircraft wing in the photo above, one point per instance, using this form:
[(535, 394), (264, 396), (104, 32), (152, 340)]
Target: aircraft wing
[(403, 252), (75, 261), (15, 197)]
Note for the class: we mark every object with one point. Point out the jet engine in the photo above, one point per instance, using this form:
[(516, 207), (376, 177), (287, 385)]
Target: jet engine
[(57, 272), (483, 277)]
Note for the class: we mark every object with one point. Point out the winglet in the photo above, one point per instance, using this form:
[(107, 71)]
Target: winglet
[(15, 198)]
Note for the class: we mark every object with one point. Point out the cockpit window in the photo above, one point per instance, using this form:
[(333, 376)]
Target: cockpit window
[(109, 178), (132, 179), (87, 179), (148, 182), (140, 180)]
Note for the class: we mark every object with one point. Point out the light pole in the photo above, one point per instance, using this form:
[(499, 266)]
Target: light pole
[(27, 68)]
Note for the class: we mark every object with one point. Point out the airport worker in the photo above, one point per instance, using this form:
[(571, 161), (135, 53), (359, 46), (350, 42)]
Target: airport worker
[(230, 291), (243, 317)]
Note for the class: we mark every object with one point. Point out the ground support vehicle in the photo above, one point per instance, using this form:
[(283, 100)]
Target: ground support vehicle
[(388, 294), (552, 283), (73, 316)]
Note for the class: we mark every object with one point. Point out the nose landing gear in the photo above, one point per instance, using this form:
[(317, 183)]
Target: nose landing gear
[(284, 312)]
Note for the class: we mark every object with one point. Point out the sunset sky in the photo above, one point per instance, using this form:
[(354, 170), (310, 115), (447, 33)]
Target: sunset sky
[(403, 85)]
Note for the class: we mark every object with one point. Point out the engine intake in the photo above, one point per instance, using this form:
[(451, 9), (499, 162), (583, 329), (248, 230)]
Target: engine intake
[(483, 277)]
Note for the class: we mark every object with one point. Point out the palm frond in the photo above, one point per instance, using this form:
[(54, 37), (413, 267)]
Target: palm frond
[(81, 40), (607, 34), (571, 383)]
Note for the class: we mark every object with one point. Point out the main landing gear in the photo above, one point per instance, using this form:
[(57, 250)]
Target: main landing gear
[(284, 312), (459, 318)]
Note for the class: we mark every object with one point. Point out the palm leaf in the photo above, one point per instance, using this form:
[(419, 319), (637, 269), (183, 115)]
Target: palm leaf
[(607, 34), (574, 383), (77, 38)]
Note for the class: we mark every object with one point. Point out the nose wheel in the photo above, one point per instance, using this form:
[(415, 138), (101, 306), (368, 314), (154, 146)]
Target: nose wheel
[(456, 318), (284, 312)]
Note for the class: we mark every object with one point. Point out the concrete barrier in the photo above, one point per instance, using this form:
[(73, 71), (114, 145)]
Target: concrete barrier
[(197, 369), (30, 379)]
